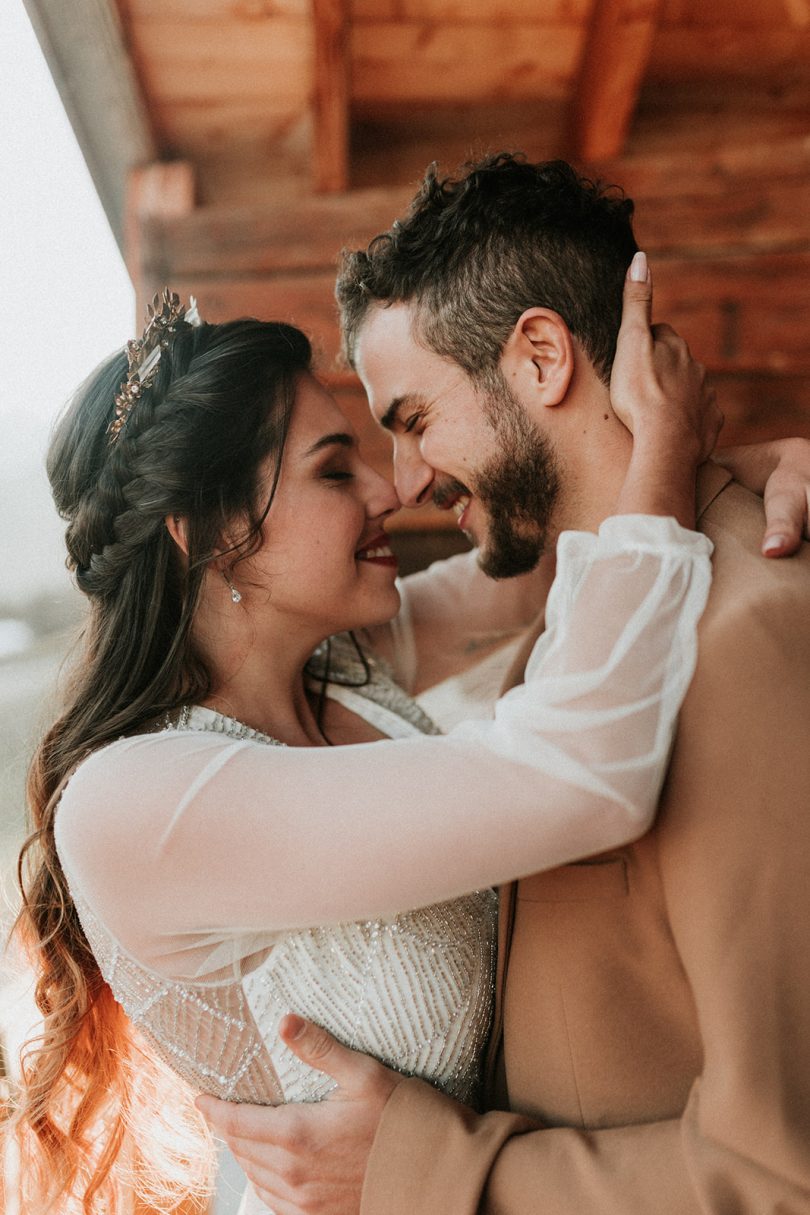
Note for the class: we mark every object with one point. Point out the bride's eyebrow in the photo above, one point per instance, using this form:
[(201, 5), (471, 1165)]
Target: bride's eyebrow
[(338, 439)]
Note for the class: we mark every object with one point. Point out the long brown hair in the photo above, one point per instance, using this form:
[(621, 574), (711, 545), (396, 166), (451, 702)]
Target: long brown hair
[(91, 1120)]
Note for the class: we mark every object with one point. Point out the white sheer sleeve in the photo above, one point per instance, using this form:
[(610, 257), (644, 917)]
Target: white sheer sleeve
[(453, 616), (179, 837)]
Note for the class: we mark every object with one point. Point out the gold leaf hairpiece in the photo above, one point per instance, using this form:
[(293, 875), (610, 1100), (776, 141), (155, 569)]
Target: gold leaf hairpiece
[(163, 316)]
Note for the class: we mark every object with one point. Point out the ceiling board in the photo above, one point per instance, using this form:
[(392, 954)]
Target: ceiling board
[(730, 52), (222, 12), (767, 13), (416, 62), (472, 12), (183, 61)]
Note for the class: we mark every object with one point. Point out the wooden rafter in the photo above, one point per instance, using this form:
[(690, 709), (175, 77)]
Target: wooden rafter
[(159, 192), (331, 96), (617, 49)]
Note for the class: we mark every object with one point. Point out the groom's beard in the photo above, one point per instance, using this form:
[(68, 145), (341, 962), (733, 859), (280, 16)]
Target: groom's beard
[(518, 487)]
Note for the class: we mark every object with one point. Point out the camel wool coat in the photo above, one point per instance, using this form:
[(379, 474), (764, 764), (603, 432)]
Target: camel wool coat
[(652, 1026)]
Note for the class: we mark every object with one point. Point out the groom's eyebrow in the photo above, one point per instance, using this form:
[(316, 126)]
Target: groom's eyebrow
[(391, 416), (338, 439)]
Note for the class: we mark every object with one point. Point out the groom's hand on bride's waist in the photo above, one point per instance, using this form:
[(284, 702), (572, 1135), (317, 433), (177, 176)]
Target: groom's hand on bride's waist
[(302, 1159)]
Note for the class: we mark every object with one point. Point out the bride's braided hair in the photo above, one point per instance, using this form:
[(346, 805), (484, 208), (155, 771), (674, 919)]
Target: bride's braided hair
[(89, 1116)]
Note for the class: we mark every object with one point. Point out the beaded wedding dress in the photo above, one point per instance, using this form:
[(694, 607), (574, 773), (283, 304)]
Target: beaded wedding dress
[(412, 989), (223, 880)]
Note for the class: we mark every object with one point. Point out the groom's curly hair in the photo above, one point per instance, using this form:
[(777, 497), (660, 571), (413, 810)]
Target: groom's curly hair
[(477, 250)]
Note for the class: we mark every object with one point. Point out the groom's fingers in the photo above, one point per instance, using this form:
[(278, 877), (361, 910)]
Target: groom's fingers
[(242, 1126), (312, 1156), (316, 1047)]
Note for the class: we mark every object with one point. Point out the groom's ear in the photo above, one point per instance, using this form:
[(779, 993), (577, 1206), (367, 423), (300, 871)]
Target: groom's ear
[(538, 358)]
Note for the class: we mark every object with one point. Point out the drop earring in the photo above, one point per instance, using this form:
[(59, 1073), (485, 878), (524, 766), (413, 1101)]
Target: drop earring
[(236, 596)]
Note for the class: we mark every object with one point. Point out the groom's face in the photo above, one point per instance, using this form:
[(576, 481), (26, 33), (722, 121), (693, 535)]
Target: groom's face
[(466, 448)]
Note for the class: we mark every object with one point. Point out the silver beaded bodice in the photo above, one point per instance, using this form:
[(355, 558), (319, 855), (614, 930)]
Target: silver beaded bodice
[(414, 989)]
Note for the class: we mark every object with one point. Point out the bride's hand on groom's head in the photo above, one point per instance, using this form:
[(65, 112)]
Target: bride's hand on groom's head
[(303, 1159), (655, 383), (656, 388)]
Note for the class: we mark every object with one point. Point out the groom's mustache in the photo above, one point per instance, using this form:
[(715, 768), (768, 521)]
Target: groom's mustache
[(446, 493)]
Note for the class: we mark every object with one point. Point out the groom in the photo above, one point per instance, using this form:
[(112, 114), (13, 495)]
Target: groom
[(652, 1042)]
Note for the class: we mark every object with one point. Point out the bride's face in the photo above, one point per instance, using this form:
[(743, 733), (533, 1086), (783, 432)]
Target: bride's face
[(324, 564)]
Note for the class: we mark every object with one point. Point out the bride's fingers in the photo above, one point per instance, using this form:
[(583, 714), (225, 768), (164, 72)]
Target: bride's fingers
[(637, 297), (786, 516)]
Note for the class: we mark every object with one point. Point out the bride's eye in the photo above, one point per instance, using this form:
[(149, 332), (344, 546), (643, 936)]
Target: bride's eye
[(336, 474)]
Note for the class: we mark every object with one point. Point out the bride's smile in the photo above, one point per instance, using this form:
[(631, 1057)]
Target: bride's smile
[(324, 564)]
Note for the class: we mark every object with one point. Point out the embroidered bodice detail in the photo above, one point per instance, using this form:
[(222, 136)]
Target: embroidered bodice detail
[(415, 989)]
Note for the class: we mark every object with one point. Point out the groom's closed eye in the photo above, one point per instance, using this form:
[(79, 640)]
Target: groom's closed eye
[(393, 416)]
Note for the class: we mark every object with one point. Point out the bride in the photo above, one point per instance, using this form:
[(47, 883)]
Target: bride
[(205, 857)]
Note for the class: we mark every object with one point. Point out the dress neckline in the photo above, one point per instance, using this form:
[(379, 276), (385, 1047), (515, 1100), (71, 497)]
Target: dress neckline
[(203, 719)]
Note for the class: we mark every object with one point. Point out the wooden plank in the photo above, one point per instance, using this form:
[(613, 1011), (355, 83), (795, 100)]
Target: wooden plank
[(731, 204), (302, 234), (214, 129), (722, 210), (401, 61), (740, 313), (394, 143), (725, 12), (763, 407), (743, 313), (706, 118), (775, 216), (774, 54), (480, 12), (798, 12), (222, 12), (330, 97), (614, 62), (732, 166), (195, 61), (306, 301), (159, 192)]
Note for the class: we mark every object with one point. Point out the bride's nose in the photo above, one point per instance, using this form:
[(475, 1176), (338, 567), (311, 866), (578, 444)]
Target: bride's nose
[(382, 500)]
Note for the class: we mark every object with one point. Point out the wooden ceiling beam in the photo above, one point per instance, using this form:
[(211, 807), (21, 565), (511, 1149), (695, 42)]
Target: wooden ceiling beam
[(275, 238), (616, 53), (331, 94), (159, 192), (729, 210)]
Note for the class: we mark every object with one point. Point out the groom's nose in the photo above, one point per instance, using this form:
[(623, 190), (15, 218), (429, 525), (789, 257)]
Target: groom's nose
[(413, 478)]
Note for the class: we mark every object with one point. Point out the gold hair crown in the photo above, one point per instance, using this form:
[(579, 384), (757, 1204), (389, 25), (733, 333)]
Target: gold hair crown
[(163, 316)]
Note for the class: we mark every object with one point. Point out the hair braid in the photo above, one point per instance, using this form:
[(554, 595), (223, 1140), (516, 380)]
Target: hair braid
[(91, 1118)]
